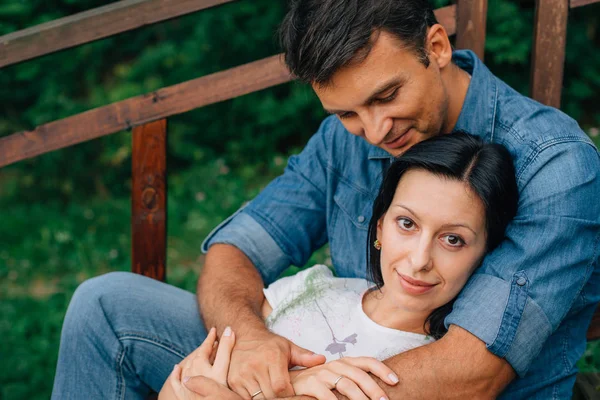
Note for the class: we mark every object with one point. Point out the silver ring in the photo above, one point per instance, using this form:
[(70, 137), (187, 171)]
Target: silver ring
[(256, 394), (337, 380)]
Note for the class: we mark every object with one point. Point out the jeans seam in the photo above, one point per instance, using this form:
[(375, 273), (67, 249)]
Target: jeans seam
[(121, 377), (152, 340)]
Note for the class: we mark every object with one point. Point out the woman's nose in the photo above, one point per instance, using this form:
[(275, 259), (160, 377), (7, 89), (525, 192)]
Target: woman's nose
[(420, 256)]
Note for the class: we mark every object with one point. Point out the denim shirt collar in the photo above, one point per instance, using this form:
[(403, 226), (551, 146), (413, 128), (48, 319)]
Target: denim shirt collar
[(478, 113)]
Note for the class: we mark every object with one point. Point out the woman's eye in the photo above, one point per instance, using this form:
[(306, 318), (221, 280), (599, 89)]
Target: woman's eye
[(406, 224), (454, 241)]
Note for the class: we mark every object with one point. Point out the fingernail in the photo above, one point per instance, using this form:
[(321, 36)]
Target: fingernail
[(393, 378), (383, 398), (227, 332), (187, 378), (174, 367)]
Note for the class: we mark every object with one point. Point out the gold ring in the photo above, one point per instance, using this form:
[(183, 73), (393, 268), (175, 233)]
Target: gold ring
[(256, 394), (337, 380)]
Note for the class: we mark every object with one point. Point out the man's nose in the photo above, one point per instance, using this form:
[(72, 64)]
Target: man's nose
[(376, 127)]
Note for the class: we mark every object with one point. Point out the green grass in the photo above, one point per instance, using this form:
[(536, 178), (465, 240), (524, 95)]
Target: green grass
[(50, 247)]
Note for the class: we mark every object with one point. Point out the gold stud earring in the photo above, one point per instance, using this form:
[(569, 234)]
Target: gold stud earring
[(377, 244)]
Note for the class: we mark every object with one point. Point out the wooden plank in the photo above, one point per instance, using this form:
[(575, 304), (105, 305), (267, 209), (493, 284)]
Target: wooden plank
[(579, 3), (446, 16), (548, 56), (149, 200), (92, 25), (142, 109), (471, 17), (159, 104), (594, 329)]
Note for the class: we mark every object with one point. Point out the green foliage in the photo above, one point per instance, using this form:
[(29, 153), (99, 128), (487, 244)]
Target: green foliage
[(66, 214)]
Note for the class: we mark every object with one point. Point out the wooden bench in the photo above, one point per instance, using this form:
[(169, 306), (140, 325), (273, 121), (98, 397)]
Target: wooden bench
[(146, 115)]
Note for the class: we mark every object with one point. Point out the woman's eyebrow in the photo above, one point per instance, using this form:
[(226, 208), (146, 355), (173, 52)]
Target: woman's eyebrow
[(459, 225), (463, 225)]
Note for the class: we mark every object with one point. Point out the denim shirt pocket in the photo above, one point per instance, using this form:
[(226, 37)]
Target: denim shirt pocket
[(356, 205), (350, 218)]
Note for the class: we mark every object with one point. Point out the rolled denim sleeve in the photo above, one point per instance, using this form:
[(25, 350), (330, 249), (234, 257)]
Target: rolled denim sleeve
[(286, 222), (526, 287)]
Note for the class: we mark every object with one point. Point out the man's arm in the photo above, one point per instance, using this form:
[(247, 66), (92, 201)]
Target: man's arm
[(230, 291), (458, 366), (230, 294)]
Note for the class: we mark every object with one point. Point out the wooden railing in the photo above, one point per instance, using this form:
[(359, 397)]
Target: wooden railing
[(147, 114)]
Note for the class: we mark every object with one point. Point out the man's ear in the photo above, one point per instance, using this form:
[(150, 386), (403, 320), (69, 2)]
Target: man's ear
[(438, 45)]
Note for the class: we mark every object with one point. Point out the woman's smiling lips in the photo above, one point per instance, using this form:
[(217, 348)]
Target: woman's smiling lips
[(414, 286)]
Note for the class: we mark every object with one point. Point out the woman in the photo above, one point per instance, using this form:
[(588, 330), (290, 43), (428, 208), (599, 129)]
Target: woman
[(442, 206)]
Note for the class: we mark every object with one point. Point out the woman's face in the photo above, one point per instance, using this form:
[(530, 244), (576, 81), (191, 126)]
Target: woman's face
[(432, 238)]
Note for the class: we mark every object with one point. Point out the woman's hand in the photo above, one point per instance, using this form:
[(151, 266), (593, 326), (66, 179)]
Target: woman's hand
[(198, 362), (349, 376), (198, 368)]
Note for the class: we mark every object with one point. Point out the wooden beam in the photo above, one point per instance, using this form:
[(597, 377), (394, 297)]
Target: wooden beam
[(156, 105), (594, 329), (470, 25), (92, 25), (446, 16), (579, 3), (548, 55), (142, 109), (149, 200)]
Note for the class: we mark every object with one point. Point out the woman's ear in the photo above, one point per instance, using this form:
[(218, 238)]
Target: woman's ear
[(379, 226)]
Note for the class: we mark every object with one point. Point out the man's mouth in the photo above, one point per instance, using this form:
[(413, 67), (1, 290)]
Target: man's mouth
[(399, 141)]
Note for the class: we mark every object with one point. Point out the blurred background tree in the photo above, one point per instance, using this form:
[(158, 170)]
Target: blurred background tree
[(65, 215)]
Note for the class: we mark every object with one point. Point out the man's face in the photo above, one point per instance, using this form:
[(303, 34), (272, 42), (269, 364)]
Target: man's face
[(391, 99)]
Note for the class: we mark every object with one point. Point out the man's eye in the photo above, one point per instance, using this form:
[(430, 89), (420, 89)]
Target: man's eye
[(406, 224), (388, 98), (345, 115), (454, 240)]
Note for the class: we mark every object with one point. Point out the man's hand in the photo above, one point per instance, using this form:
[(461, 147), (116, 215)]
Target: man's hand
[(261, 360)]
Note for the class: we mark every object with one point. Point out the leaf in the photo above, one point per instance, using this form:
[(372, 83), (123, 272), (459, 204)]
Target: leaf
[(335, 348), (350, 339)]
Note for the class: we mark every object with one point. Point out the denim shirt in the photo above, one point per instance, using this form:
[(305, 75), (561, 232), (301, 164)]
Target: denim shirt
[(533, 297)]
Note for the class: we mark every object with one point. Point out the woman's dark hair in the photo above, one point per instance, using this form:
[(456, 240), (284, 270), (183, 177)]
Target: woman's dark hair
[(321, 36), (488, 171)]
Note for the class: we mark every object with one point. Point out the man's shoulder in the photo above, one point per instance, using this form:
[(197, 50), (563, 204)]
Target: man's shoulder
[(523, 122)]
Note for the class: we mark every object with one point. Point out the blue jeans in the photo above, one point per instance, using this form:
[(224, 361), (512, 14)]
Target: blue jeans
[(122, 335)]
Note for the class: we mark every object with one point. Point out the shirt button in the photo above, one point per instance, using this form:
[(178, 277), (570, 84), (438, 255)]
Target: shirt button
[(361, 219), (521, 281)]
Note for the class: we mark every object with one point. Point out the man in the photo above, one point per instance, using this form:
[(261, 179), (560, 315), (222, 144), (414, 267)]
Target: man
[(387, 72)]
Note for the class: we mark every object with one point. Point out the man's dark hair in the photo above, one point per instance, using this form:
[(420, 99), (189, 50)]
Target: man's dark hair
[(321, 36), (487, 169)]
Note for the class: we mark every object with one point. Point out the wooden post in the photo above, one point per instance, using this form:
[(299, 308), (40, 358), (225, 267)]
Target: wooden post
[(149, 200), (471, 18), (548, 56)]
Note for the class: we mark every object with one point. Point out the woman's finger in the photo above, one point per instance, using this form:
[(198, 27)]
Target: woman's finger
[(350, 389), (175, 381), (223, 357), (360, 380), (316, 388), (206, 347), (375, 367)]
